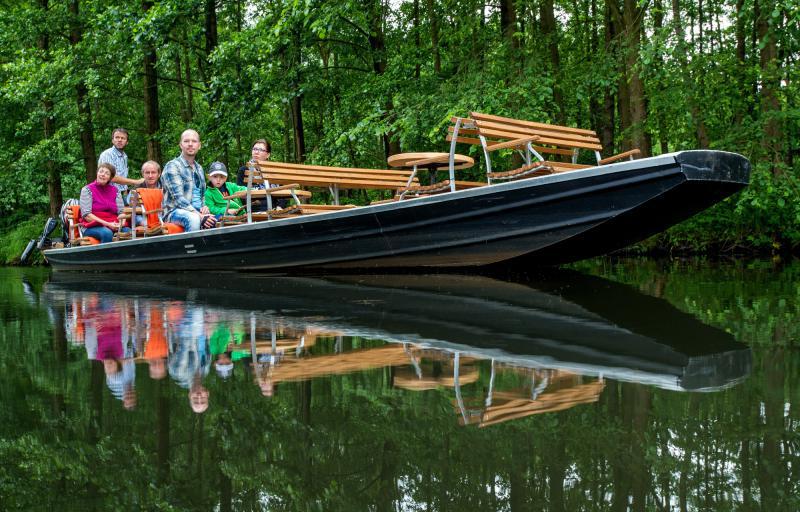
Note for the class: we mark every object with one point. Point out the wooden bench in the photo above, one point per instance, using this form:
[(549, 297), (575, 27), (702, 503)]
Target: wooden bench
[(533, 140), (333, 178)]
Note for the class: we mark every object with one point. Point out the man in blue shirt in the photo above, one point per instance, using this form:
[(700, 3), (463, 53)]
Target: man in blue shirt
[(184, 185), (116, 156)]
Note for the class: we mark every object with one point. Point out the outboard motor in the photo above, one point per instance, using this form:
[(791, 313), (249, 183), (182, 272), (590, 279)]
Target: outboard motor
[(40, 242)]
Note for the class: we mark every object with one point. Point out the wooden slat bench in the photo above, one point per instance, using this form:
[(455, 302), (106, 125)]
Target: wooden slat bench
[(333, 178), (533, 140)]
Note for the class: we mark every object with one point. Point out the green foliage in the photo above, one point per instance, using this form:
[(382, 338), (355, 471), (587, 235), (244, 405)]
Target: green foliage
[(757, 301), (13, 239)]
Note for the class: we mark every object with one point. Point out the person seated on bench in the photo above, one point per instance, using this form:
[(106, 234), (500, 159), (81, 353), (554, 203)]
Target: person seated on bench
[(151, 174), (184, 185), (260, 150), (218, 192), (100, 205)]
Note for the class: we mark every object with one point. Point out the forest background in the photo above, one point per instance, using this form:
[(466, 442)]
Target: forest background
[(350, 82)]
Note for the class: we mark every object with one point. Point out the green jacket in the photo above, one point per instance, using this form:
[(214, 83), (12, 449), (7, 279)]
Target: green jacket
[(216, 203)]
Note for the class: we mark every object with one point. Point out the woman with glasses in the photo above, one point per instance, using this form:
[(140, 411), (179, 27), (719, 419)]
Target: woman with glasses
[(260, 150)]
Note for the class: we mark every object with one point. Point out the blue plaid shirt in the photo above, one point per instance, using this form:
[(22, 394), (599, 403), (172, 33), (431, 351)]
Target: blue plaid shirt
[(181, 183), (119, 159)]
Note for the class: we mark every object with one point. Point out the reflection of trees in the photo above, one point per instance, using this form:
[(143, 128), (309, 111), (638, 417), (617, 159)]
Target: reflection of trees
[(356, 441)]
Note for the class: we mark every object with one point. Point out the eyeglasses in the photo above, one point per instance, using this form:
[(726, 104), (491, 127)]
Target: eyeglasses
[(261, 150)]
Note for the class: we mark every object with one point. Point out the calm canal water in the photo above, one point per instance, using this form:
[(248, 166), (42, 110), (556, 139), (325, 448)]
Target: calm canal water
[(620, 385)]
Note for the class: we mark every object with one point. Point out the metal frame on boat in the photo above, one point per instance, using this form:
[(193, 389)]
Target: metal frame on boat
[(544, 220)]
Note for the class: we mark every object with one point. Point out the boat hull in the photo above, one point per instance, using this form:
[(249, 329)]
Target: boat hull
[(554, 319), (549, 220)]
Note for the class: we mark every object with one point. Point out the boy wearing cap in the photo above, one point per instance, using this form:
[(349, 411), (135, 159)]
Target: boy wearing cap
[(218, 191)]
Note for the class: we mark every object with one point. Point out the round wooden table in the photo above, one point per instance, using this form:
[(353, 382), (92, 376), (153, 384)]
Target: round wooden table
[(432, 161), (441, 160)]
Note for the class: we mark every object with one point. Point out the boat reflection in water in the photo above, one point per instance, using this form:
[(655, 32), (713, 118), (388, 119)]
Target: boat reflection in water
[(505, 349)]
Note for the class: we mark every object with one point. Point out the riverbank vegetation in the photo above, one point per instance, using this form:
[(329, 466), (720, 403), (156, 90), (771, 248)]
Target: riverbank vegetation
[(349, 83)]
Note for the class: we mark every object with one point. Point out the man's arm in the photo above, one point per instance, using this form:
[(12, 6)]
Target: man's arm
[(127, 181)]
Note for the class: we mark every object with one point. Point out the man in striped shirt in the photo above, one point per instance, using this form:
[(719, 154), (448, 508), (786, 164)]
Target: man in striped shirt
[(116, 156)]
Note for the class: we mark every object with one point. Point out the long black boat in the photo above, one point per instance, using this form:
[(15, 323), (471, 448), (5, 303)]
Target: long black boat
[(555, 320), (543, 220)]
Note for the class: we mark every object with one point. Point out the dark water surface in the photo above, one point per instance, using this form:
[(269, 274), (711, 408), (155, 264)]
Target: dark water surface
[(621, 385)]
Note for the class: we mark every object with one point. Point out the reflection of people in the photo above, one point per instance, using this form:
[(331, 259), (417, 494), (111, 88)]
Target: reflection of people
[(218, 346), (155, 348), (188, 359), (104, 321), (184, 185), (263, 369), (198, 395), (121, 380)]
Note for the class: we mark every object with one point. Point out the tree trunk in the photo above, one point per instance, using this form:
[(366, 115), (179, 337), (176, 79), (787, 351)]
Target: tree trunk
[(297, 128), (48, 126), (189, 91), (632, 17), (550, 33), (377, 45), (434, 19), (689, 86), (658, 25), (297, 97), (211, 44), (151, 114), (181, 90), (607, 120), (508, 27), (82, 94), (772, 143), (417, 42)]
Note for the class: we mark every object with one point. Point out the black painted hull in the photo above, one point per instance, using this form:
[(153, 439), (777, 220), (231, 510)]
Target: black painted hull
[(549, 220)]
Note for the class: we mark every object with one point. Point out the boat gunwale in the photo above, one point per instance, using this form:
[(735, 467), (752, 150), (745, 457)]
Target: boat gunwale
[(537, 181)]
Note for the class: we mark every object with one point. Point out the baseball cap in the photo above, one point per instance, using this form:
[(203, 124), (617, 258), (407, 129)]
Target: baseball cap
[(217, 168)]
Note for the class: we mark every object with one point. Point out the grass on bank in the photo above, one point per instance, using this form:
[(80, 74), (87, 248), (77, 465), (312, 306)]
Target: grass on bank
[(13, 239)]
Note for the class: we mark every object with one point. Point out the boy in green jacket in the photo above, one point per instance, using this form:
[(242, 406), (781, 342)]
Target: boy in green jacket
[(216, 196)]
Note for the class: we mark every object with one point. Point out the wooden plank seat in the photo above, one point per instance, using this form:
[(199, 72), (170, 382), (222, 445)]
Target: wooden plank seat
[(286, 190), (267, 346), (332, 178), (466, 131), (533, 140), (507, 407)]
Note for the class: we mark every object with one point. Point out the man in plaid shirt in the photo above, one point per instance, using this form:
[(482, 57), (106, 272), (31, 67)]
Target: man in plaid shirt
[(184, 184)]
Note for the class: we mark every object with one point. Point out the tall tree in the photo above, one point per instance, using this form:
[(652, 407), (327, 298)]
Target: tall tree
[(152, 118), (689, 85), (85, 126), (772, 143), (550, 32), (48, 122)]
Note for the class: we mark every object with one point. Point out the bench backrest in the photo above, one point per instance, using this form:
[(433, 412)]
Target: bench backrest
[(551, 139), (152, 199), (324, 176)]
